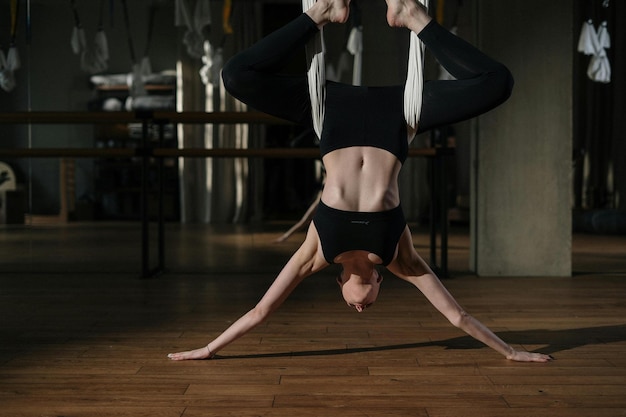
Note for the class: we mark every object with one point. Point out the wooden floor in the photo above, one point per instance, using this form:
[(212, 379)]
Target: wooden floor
[(82, 335)]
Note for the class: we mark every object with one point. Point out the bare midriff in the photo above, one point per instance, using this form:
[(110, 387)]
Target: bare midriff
[(361, 178)]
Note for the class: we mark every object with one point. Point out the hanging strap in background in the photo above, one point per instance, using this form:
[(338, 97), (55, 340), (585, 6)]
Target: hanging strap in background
[(145, 68), (153, 9), (441, 7), (79, 39), (101, 44), (112, 12), (136, 83), (129, 38), (13, 57), (14, 14), (101, 16), (75, 11), (227, 12)]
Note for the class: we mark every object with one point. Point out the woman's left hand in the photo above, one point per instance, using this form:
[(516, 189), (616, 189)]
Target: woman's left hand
[(523, 356)]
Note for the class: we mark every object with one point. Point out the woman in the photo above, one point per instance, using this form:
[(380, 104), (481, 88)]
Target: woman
[(359, 222)]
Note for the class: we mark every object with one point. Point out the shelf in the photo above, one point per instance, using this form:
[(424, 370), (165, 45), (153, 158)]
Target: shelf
[(124, 88), (118, 181)]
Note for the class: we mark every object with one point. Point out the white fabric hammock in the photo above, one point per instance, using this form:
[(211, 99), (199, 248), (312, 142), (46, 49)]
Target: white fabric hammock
[(316, 75), (414, 85)]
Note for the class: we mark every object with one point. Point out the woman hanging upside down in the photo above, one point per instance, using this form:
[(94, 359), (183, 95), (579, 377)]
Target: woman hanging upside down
[(359, 222)]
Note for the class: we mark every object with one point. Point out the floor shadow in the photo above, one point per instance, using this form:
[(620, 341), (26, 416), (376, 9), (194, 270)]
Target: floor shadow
[(555, 341)]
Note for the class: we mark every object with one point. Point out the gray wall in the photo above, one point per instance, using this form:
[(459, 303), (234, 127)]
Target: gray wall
[(523, 149)]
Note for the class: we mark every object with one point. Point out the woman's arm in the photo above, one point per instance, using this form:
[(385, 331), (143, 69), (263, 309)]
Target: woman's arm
[(412, 268), (303, 263)]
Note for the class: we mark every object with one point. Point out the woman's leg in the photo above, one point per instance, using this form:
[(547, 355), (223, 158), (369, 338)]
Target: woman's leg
[(254, 75), (412, 268), (481, 82)]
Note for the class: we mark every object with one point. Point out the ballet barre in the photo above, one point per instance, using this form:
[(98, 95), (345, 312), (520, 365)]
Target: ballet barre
[(145, 151)]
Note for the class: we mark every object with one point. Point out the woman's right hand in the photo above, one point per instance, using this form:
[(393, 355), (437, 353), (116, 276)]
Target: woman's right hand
[(201, 353)]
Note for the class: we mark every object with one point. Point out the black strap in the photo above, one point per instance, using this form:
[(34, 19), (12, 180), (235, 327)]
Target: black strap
[(131, 47)]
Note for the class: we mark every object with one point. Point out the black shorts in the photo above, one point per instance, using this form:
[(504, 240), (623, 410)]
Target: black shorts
[(375, 232)]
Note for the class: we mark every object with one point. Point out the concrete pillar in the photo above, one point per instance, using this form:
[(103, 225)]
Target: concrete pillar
[(522, 150)]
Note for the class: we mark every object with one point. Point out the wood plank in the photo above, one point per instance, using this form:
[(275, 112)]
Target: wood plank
[(270, 369), (387, 380), (525, 412), (553, 390), (31, 410), (391, 390), (426, 371), (139, 401), (589, 402), (371, 402), (306, 412)]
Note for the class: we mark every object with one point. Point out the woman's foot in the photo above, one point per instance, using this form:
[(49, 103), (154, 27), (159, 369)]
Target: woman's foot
[(329, 11), (408, 14), (202, 353)]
